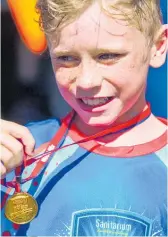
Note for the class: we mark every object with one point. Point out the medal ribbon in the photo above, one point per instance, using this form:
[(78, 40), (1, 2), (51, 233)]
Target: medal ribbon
[(60, 135)]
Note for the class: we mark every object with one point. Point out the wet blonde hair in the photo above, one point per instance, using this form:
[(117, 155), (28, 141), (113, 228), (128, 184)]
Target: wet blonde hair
[(145, 15)]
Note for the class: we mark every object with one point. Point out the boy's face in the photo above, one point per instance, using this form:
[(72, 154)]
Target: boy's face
[(100, 66)]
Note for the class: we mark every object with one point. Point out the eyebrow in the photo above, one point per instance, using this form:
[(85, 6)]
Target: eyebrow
[(108, 50), (93, 51), (58, 53)]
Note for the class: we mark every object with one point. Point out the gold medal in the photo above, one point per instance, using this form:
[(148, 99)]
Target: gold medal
[(21, 208)]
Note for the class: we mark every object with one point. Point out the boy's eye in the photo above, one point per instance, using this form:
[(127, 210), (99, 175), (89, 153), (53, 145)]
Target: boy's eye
[(67, 61), (66, 58), (108, 57)]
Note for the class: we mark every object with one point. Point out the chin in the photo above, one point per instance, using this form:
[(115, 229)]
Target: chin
[(100, 121)]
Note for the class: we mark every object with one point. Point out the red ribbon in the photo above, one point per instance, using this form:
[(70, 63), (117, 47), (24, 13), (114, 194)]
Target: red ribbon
[(57, 138)]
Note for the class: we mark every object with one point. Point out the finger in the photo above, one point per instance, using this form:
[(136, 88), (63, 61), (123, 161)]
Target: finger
[(12, 144), (20, 132), (9, 161), (2, 170)]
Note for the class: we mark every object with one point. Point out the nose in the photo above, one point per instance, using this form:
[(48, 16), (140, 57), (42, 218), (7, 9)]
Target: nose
[(89, 77)]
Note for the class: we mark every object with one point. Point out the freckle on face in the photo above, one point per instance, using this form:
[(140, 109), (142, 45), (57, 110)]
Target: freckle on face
[(124, 79)]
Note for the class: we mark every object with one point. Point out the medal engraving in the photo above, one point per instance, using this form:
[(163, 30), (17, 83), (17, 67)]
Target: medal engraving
[(21, 208)]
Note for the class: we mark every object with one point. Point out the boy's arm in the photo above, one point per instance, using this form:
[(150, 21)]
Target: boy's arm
[(15, 139)]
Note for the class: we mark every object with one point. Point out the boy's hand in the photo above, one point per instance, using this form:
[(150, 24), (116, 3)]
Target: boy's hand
[(15, 139)]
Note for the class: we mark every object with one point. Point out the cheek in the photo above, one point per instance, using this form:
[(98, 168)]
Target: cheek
[(64, 91), (120, 75), (64, 77), (65, 80), (128, 78), (134, 82), (129, 71)]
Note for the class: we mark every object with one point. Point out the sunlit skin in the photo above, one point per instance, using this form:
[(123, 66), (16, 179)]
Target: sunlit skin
[(97, 57)]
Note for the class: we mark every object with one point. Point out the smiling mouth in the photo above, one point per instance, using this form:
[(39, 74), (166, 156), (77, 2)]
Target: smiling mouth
[(94, 102)]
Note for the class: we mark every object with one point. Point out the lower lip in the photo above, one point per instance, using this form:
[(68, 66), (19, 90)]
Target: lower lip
[(94, 108)]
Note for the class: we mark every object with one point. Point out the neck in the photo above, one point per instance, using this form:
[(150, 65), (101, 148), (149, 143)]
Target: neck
[(134, 136), (90, 130)]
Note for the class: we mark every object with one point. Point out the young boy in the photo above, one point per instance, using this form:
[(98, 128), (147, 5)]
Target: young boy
[(108, 174)]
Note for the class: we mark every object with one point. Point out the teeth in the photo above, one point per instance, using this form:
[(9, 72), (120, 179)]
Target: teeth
[(96, 101)]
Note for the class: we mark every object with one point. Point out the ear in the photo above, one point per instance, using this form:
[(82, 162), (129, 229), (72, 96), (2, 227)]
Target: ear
[(159, 48)]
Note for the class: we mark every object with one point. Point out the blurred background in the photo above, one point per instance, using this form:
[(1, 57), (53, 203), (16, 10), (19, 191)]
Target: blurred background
[(29, 92)]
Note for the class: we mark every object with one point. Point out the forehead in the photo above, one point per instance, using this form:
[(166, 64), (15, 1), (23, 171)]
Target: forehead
[(94, 28)]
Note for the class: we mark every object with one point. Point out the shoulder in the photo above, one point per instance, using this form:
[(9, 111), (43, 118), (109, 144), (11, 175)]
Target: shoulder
[(162, 154), (163, 120), (44, 130)]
